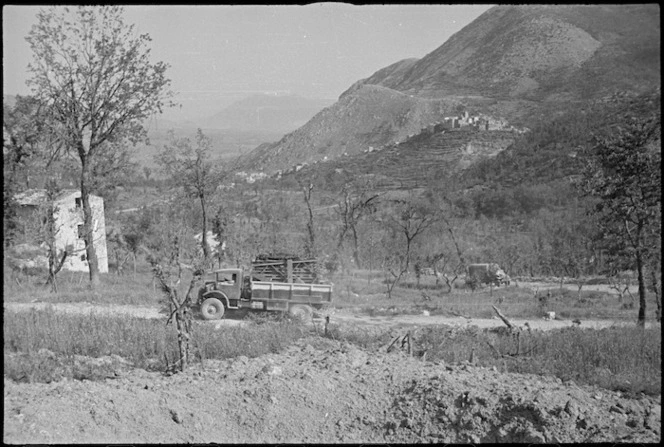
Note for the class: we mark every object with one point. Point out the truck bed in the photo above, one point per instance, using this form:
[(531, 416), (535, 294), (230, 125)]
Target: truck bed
[(303, 293)]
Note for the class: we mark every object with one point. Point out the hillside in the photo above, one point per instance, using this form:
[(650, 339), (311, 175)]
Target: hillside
[(541, 53), (557, 148), (417, 162), (371, 116), (521, 63)]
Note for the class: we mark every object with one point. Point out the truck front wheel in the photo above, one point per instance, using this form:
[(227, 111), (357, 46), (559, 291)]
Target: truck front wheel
[(301, 311), (212, 309)]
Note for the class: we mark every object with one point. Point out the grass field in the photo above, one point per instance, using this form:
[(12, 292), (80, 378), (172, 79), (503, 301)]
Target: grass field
[(362, 292), (42, 346), (365, 292)]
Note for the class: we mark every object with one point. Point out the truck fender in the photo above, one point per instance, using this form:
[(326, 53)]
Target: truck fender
[(216, 294)]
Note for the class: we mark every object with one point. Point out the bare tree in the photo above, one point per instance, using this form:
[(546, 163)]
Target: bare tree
[(191, 168), (621, 284), (356, 202), (408, 218), (310, 242), (171, 253), (92, 74), (56, 258)]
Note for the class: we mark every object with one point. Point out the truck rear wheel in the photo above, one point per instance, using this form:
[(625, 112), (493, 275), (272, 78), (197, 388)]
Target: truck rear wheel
[(301, 311), (212, 309)]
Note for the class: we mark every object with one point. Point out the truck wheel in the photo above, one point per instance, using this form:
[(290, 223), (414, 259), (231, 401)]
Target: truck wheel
[(212, 309), (301, 311)]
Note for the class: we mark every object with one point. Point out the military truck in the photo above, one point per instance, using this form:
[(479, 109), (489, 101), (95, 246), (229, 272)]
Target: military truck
[(492, 274), (234, 289)]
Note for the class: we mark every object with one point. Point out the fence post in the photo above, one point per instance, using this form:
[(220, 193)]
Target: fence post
[(289, 270)]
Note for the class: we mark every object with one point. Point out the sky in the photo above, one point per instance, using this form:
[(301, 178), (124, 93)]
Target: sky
[(221, 53)]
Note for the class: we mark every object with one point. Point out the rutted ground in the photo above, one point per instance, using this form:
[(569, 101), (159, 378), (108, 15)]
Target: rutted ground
[(332, 392)]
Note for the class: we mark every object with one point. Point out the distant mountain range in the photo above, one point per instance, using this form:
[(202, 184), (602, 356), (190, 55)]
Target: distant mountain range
[(518, 63), (267, 112), (262, 113)]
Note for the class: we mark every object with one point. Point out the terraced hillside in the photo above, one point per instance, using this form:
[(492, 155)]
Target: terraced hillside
[(422, 158)]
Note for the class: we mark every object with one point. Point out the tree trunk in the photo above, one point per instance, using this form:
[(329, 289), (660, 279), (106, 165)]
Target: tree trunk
[(206, 247), (642, 289), (356, 251), (90, 252), (658, 298), (183, 338)]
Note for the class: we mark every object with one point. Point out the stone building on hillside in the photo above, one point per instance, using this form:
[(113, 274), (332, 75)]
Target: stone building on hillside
[(69, 224)]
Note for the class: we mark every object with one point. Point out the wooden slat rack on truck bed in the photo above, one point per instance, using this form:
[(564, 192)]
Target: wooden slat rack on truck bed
[(284, 270)]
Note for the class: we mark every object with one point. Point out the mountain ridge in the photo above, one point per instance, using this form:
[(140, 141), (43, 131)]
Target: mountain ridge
[(520, 63), (518, 50)]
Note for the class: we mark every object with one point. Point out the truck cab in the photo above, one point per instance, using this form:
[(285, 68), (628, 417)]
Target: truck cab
[(226, 281)]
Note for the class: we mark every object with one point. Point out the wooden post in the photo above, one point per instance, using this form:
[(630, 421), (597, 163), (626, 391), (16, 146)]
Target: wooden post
[(289, 270), (392, 343), (410, 345), (504, 318)]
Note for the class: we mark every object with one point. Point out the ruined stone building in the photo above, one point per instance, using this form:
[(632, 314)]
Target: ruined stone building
[(69, 225)]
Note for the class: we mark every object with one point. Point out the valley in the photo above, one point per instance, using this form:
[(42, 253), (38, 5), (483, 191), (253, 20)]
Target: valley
[(529, 140)]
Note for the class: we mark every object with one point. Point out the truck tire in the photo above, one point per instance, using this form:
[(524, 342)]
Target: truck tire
[(303, 312), (212, 309)]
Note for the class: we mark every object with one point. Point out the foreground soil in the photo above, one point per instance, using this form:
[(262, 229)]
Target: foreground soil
[(321, 390)]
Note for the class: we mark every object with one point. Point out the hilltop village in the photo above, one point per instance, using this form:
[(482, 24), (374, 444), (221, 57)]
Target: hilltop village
[(463, 121), (476, 122)]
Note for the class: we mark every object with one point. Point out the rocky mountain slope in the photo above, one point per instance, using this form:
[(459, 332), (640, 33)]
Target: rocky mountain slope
[(541, 53), (513, 62)]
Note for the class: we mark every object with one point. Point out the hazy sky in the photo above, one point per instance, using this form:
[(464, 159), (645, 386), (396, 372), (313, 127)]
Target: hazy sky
[(222, 53)]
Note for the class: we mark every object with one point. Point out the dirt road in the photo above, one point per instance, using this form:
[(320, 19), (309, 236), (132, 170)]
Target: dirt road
[(337, 317)]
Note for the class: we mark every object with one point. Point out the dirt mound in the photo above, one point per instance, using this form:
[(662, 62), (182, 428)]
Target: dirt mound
[(321, 390)]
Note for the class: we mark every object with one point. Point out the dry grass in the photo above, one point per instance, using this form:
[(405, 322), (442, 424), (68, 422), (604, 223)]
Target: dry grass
[(366, 293), (41, 346), (618, 358), (130, 288)]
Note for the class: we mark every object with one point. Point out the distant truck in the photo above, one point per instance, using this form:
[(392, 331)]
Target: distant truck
[(479, 274), (234, 289)]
